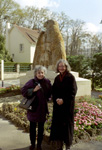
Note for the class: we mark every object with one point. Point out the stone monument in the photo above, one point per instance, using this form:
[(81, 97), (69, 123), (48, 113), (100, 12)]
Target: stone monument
[(49, 49), (50, 46)]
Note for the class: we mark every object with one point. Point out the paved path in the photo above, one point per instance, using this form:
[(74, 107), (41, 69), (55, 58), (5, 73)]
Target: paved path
[(12, 138)]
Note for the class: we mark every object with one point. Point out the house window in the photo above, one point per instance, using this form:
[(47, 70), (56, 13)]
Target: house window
[(21, 47)]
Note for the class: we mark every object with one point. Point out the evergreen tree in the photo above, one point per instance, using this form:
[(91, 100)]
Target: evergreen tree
[(4, 55)]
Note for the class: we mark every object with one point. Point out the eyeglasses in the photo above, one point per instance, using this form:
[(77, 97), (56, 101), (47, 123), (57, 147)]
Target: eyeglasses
[(61, 66)]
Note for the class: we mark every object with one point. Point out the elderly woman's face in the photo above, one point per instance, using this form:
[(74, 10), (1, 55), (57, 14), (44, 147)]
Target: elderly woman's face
[(40, 74), (61, 68)]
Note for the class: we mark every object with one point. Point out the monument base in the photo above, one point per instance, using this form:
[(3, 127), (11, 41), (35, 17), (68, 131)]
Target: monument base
[(84, 85)]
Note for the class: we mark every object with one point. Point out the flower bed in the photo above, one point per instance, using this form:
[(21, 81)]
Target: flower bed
[(88, 118), (10, 91), (16, 115)]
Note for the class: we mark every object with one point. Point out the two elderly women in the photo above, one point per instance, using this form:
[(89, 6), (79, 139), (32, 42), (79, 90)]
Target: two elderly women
[(63, 92)]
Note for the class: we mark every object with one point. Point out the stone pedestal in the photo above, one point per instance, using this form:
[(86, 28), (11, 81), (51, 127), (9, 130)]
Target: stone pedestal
[(84, 85)]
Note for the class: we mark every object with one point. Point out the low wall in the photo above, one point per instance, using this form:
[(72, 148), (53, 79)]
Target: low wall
[(84, 85)]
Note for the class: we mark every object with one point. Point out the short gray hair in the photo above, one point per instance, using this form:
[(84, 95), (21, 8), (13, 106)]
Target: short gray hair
[(39, 68), (65, 62)]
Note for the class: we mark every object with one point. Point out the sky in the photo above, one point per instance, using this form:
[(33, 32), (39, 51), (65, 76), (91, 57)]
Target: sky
[(89, 11)]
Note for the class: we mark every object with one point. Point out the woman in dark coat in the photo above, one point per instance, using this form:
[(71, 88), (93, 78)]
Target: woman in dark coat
[(41, 88), (64, 91)]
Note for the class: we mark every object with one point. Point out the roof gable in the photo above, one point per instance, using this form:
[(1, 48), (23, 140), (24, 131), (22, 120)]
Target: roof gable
[(31, 35)]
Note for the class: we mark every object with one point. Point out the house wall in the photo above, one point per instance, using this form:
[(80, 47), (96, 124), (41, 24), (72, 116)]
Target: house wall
[(15, 39)]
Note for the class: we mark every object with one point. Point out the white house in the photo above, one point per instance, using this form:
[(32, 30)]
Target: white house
[(21, 42)]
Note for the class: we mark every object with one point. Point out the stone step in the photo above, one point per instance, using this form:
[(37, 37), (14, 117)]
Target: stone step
[(84, 87), (75, 74)]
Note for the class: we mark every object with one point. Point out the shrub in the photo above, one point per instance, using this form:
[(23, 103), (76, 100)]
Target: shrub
[(79, 64)]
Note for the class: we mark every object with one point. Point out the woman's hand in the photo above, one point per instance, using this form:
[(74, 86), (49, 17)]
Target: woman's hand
[(59, 101), (38, 87)]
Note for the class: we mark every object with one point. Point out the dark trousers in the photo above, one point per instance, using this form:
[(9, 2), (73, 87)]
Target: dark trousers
[(33, 126)]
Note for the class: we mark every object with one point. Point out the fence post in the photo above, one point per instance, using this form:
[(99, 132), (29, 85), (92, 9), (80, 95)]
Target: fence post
[(31, 67), (2, 72), (18, 68)]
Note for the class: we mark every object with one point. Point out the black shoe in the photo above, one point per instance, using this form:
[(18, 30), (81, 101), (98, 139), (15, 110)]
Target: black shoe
[(39, 148), (32, 147), (67, 148)]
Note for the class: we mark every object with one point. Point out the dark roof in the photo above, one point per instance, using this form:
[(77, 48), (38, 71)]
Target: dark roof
[(31, 35)]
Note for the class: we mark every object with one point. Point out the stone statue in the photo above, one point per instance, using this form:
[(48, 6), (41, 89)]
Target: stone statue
[(50, 46), (49, 49)]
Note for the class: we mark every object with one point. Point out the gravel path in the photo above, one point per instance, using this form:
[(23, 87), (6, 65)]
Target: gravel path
[(95, 94)]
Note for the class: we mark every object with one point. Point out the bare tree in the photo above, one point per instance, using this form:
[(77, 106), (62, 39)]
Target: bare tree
[(6, 9), (76, 36), (94, 44), (36, 17)]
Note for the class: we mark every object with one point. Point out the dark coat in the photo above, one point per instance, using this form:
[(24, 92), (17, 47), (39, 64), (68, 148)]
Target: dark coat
[(39, 106), (63, 115)]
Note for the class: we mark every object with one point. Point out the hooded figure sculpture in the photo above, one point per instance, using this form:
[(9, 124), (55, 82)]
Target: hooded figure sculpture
[(50, 46)]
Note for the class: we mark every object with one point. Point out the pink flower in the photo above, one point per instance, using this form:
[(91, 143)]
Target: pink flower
[(75, 128), (87, 115)]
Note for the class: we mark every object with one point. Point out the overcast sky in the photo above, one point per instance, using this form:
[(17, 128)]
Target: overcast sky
[(89, 11)]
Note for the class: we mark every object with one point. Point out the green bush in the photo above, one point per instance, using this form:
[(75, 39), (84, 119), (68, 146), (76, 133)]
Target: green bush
[(90, 68), (4, 55), (96, 66), (79, 64)]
